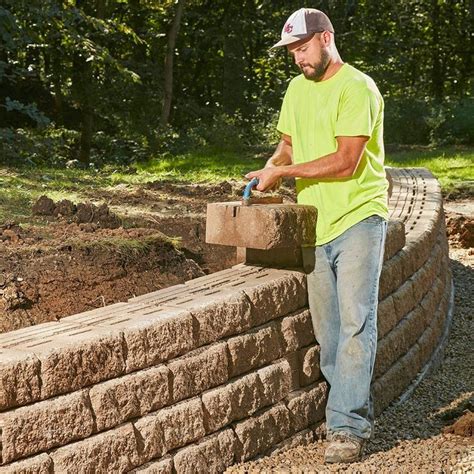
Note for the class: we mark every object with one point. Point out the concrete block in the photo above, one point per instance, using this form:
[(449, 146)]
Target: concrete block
[(20, 381), (277, 295), (169, 428), (309, 365), (112, 451), (387, 318), (395, 239), (260, 432), (130, 396), (254, 348), (391, 276), (220, 317), (41, 464), (416, 326), (277, 258), (78, 359), (407, 263), (211, 455), (404, 299), (414, 361), (199, 370), (163, 466), (45, 425), (154, 335), (233, 401), (297, 331), (276, 381), (307, 406), (293, 360), (263, 226)]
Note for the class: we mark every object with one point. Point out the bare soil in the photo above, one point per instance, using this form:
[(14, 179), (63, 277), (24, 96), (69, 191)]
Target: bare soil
[(123, 241), (127, 240)]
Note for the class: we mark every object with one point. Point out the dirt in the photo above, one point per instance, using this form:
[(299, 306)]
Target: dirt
[(122, 242), (464, 426)]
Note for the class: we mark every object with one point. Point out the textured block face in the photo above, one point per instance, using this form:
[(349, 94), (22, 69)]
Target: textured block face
[(211, 455), (395, 239), (307, 406), (199, 370), (19, 378), (386, 317), (170, 428), (112, 451), (223, 317), (391, 277), (163, 466), (41, 464), (277, 296), (68, 364), (118, 400), (156, 337), (259, 433), (309, 365), (276, 380), (260, 226), (233, 401), (254, 348), (36, 428), (404, 299), (297, 331)]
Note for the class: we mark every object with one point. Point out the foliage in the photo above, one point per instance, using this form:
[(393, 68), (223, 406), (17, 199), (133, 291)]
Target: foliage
[(85, 78)]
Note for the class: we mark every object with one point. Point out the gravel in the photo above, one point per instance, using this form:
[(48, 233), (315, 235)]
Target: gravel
[(409, 436)]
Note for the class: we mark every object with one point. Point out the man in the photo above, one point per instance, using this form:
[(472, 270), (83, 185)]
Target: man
[(332, 125)]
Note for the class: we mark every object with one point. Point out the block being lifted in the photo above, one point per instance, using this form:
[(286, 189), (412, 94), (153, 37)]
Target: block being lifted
[(261, 226)]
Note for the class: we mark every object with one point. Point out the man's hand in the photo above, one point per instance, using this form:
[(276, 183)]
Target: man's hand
[(281, 157), (268, 177)]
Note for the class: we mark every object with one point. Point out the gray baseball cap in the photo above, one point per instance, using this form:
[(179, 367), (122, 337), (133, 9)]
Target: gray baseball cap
[(303, 23)]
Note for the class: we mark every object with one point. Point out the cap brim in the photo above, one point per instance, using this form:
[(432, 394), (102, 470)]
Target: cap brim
[(290, 40)]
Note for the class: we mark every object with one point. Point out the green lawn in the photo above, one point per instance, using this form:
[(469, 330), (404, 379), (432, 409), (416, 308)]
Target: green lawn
[(21, 186), (454, 167)]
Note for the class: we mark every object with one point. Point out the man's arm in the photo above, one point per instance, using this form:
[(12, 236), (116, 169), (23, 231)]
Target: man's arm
[(340, 164), (283, 155)]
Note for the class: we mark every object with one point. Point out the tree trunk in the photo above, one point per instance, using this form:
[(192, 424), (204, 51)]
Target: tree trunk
[(169, 60), (86, 135), (437, 73), (84, 80)]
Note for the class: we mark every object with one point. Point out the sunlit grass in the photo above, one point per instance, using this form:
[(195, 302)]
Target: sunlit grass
[(21, 186), (454, 167)]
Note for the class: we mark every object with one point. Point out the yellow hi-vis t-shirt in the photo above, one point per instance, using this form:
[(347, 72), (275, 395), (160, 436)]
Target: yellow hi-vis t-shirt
[(314, 114)]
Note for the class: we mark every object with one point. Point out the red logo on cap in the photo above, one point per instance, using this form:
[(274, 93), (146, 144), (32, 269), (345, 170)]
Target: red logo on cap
[(288, 28)]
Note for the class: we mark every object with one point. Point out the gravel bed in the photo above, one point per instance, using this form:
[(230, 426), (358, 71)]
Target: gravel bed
[(409, 436)]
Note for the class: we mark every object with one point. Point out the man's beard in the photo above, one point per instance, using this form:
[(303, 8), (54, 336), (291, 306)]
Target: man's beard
[(315, 72)]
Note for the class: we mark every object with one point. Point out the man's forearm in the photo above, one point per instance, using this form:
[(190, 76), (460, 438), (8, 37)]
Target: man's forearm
[(330, 166), (282, 156)]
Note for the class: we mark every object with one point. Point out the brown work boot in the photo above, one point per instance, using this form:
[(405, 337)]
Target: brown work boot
[(343, 447)]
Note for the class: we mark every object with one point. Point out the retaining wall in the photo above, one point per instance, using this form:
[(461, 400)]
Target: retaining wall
[(224, 368)]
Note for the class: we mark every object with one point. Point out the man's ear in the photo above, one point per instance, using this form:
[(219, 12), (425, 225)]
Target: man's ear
[(325, 38)]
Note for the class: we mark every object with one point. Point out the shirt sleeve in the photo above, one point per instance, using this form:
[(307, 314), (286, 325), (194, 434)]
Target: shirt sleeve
[(284, 120), (359, 109)]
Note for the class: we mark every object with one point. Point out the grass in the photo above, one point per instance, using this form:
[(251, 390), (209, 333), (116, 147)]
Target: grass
[(21, 186), (454, 167)]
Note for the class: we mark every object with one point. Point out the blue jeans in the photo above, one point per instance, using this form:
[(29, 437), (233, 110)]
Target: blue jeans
[(343, 286)]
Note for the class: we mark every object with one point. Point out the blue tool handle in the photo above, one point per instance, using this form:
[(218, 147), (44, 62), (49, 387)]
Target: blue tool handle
[(248, 189)]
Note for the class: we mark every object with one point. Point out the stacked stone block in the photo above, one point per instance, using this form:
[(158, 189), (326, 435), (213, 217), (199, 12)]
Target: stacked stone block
[(222, 369)]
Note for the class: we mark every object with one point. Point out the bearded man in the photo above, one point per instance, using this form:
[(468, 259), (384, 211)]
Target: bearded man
[(331, 123)]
